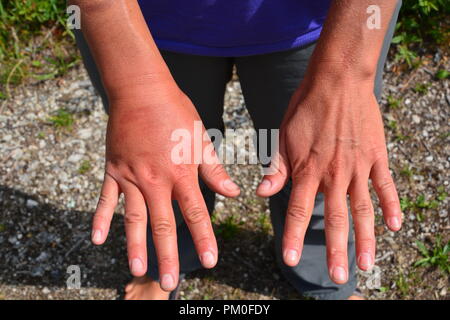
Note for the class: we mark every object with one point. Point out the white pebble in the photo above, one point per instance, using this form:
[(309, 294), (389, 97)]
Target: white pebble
[(31, 203)]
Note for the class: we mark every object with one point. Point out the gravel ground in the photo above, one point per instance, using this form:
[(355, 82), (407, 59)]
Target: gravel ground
[(50, 177)]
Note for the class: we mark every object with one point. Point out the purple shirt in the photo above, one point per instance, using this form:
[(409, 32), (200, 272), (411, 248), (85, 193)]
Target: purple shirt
[(234, 27)]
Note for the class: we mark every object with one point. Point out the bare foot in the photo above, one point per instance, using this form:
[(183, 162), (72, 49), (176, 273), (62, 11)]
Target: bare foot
[(355, 297), (144, 288)]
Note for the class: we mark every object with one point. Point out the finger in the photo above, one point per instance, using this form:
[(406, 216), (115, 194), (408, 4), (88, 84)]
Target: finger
[(136, 229), (213, 173), (336, 232), (163, 226), (387, 193), (300, 207), (276, 176), (197, 219), (364, 222), (104, 212), (218, 180)]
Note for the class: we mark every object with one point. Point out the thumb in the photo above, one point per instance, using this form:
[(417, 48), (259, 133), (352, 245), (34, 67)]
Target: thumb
[(214, 175), (275, 177), (218, 180)]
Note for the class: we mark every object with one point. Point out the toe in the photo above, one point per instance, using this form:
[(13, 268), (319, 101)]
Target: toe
[(129, 287), (129, 296), (355, 297)]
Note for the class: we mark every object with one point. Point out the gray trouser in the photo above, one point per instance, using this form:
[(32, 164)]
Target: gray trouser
[(267, 82)]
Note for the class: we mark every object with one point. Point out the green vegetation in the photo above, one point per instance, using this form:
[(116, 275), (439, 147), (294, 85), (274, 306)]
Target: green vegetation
[(444, 135), (264, 223), (85, 167), (406, 281), (437, 256), (407, 171), (399, 136), (41, 135), (422, 23), (442, 74), (62, 119), (422, 203), (34, 40), (442, 193), (421, 88), (392, 125), (402, 284), (393, 102), (383, 289), (229, 228)]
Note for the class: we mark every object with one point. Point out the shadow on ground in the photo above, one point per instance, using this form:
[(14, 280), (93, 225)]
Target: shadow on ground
[(40, 241)]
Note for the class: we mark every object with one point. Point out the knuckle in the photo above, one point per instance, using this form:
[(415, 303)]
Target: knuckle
[(104, 202), (134, 246), (367, 242), (362, 209), (385, 185), (100, 219), (166, 261), (182, 172), (291, 130), (304, 170), (215, 170), (379, 154), (112, 165), (292, 237), (203, 240), (162, 228), (298, 213), (133, 217), (195, 215), (392, 204), (336, 168), (335, 220), (117, 168), (147, 174), (338, 253)]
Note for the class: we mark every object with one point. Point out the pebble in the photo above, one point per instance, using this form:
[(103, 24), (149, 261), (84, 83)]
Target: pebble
[(219, 205), (75, 158), (31, 204), (85, 133)]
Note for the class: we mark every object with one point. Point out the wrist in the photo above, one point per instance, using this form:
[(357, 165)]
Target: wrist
[(336, 82), (141, 86), (346, 70)]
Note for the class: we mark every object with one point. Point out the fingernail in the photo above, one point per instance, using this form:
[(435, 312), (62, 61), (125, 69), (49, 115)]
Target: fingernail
[(96, 236), (167, 282), (265, 184), (230, 185), (394, 223), (339, 274), (208, 259), (365, 261), (137, 267), (291, 256)]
